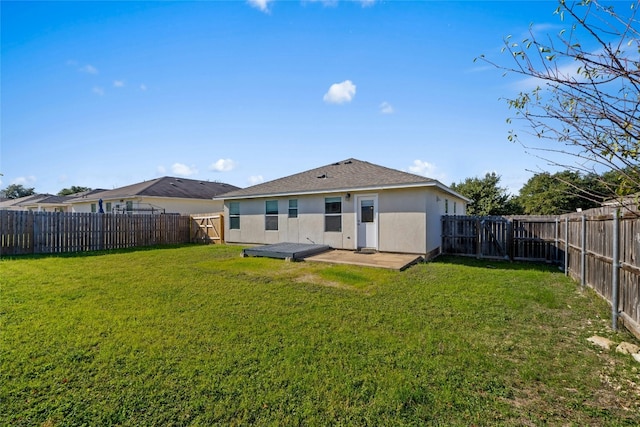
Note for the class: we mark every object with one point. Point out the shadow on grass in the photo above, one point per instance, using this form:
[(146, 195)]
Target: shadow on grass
[(496, 264), (85, 254)]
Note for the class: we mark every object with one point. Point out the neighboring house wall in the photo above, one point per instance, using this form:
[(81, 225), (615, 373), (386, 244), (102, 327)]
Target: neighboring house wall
[(143, 205), (408, 220)]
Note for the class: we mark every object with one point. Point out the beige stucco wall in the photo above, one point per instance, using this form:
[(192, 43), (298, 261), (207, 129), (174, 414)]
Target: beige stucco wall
[(169, 204), (307, 228), (409, 220)]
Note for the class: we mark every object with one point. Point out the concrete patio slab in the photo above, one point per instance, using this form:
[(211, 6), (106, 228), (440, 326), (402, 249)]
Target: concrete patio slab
[(391, 261)]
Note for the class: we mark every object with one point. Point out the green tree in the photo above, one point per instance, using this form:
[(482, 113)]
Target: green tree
[(584, 101), (487, 197), (15, 191), (72, 190), (559, 193)]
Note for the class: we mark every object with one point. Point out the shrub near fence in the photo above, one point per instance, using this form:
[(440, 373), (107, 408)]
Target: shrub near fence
[(598, 248), (23, 232)]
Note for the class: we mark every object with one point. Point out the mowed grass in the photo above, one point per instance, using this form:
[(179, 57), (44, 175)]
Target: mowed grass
[(196, 335)]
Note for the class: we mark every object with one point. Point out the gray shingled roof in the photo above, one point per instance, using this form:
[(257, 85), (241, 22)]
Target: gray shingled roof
[(165, 187), (347, 175)]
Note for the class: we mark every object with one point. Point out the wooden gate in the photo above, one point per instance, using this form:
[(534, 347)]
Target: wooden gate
[(207, 228), (483, 237)]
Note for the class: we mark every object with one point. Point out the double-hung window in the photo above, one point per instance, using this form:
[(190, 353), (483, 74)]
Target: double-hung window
[(234, 215), (332, 214), (271, 215), (293, 208)]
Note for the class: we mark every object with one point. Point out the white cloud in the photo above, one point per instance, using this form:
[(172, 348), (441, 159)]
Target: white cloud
[(89, 69), (98, 90), (24, 180), (325, 3), (367, 3), (386, 108), (183, 170), (340, 93), (429, 170), (255, 179), (161, 170), (118, 83), (223, 165), (263, 5), (143, 87)]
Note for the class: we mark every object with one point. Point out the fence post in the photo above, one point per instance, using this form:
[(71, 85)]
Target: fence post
[(566, 246), (615, 274), (583, 254), (555, 243), (509, 239), (478, 239)]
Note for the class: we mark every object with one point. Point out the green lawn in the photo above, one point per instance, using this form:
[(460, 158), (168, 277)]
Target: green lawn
[(196, 335)]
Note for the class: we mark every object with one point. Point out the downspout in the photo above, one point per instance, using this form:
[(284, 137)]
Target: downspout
[(426, 226)]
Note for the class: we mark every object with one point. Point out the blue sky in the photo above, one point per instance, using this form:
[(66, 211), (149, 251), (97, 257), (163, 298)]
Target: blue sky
[(106, 94)]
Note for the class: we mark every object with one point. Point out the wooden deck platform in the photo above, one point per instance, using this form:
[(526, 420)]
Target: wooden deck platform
[(290, 251)]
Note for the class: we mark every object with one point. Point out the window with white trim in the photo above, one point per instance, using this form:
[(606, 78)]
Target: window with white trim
[(333, 214), (271, 215), (234, 215), (293, 208)]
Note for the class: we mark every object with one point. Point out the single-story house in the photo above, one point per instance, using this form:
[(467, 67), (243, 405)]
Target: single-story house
[(350, 204), (160, 195), (36, 203)]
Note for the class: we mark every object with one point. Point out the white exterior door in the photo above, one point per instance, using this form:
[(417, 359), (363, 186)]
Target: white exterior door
[(367, 217)]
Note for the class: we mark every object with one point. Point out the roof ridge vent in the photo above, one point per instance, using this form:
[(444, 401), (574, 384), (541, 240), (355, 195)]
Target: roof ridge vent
[(348, 162)]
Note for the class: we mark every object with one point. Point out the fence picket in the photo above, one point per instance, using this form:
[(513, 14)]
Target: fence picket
[(585, 248), (24, 232)]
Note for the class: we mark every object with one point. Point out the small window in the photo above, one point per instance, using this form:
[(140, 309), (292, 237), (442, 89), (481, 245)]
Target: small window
[(366, 211), (455, 205), (293, 208), (93, 208), (108, 207), (234, 215), (333, 214), (271, 215), (446, 206), (129, 206)]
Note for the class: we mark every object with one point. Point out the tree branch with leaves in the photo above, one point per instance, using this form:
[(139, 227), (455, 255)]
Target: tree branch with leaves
[(581, 94)]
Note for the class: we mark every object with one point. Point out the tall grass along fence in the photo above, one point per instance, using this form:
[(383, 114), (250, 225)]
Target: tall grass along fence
[(23, 232), (599, 248)]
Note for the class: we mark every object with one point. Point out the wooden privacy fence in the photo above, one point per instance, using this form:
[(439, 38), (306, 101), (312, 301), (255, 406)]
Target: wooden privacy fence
[(600, 250), (23, 232)]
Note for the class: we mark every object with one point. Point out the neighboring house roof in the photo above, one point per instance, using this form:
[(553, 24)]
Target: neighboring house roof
[(87, 193), (163, 187), (21, 201), (347, 175), (623, 201)]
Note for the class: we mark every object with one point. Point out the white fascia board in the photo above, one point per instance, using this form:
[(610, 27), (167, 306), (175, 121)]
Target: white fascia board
[(450, 191)]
